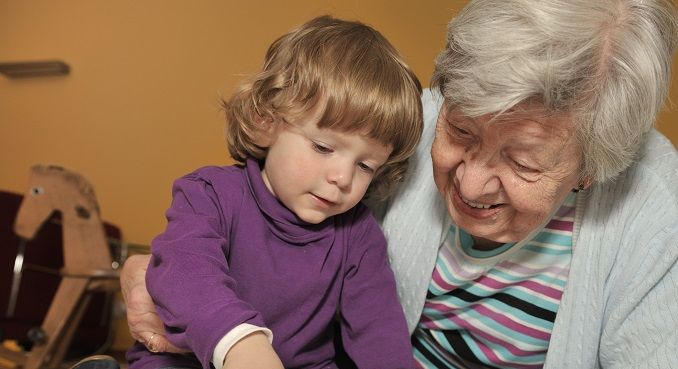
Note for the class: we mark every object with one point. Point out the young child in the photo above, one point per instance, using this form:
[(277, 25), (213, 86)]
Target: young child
[(281, 245)]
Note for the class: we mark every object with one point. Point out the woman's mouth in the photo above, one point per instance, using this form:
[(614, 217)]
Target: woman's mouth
[(477, 205), (473, 209)]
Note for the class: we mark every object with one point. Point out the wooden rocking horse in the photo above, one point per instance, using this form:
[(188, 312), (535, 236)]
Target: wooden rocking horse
[(87, 260)]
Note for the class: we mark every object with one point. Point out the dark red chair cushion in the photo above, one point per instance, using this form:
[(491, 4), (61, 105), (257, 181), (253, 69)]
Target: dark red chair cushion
[(42, 260)]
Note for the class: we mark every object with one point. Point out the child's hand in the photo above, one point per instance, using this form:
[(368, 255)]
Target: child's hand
[(252, 352)]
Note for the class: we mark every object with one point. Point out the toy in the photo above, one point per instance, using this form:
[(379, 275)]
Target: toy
[(87, 266)]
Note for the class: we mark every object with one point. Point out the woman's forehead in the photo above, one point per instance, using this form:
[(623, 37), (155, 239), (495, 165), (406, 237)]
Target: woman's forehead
[(529, 118), (549, 139)]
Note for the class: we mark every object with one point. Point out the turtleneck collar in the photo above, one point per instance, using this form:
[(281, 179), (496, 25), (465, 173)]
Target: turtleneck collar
[(282, 221)]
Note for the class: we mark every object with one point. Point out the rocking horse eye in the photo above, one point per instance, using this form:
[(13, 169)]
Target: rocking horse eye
[(37, 190), (82, 212)]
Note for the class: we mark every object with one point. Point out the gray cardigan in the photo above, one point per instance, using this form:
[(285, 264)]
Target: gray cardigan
[(620, 305)]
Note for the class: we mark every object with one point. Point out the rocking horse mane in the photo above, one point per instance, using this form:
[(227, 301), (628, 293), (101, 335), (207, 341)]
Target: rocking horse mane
[(79, 182)]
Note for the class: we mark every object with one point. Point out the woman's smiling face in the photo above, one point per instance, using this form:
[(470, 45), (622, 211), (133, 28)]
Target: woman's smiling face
[(502, 178)]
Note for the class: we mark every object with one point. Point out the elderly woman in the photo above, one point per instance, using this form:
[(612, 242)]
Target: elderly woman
[(539, 224)]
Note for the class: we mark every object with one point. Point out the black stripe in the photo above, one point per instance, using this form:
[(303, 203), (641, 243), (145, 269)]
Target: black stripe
[(464, 295), (427, 354), (509, 300), (461, 348), (525, 306), (452, 359)]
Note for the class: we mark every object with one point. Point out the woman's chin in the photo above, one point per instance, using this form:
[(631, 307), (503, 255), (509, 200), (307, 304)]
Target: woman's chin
[(488, 232)]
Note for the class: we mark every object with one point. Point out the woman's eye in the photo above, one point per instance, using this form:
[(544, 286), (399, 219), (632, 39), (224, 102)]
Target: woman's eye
[(522, 167), (321, 148), (459, 132)]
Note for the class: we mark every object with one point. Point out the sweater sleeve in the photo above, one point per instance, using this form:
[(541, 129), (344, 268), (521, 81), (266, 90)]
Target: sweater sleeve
[(640, 328), (373, 328), (619, 308), (188, 275)]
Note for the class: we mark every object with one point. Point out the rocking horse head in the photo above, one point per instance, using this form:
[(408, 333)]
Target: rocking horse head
[(52, 188)]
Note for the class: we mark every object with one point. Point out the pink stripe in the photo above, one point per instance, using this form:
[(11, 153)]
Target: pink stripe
[(511, 324), (560, 225), (492, 356), (440, 281), (529, 284), (489, 353), (453, 267), (515, 351), (465, 324), (523, 270), (551, 292), (451, 261)]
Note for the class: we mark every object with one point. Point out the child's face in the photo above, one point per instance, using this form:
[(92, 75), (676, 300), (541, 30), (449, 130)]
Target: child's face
[(318, 173)]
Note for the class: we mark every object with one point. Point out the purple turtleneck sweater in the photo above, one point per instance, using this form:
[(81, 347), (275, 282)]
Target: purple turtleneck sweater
[(233, 254)]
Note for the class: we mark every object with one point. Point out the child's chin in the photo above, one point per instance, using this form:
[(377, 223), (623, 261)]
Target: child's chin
[(313, 217)]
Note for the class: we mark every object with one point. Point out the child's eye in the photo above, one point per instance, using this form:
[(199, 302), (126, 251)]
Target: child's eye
[(365, 167), (321, 148)]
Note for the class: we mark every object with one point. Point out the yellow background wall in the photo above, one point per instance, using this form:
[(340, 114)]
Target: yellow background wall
[(140, 106)]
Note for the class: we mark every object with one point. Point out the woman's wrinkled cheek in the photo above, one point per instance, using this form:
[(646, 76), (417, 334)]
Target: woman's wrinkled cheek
[(441, 166)]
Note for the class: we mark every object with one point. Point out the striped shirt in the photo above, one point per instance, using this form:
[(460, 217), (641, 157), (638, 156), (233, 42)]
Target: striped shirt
[(495, 308)]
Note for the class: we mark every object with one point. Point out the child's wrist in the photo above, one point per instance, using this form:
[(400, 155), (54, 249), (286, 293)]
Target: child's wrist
[(252, 351)]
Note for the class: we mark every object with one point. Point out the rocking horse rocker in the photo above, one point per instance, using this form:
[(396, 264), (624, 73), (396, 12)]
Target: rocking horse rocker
[(87, 260)]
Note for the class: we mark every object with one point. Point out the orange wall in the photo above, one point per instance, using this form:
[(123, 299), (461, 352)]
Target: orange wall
[(140, 106), (667, 123)]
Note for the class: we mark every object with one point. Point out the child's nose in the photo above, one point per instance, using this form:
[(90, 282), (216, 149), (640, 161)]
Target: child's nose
[(341, 175)]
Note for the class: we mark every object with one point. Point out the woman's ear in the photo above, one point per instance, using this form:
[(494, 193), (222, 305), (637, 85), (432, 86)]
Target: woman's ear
[(586, 182)]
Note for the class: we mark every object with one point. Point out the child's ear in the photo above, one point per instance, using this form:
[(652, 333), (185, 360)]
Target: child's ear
[(266, 133)]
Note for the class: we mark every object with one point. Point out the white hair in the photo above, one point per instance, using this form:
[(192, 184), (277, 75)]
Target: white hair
[(605, 63)]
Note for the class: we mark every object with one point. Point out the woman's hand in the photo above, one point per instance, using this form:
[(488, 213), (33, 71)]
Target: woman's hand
[(252, 352), (144, 324)]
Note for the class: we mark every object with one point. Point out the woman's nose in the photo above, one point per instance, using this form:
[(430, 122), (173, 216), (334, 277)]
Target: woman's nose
[(477, 178)]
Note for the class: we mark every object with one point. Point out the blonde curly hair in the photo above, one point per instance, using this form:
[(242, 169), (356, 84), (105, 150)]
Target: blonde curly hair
[(353, 71)]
